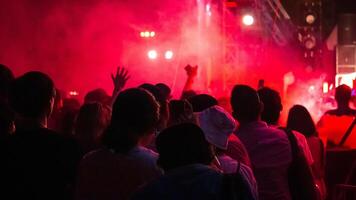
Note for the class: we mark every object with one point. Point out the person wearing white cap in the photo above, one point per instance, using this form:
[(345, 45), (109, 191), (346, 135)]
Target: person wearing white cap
[(218, 125)]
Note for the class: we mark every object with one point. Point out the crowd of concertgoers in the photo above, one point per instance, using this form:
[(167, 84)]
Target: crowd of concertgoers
[(139, 143)]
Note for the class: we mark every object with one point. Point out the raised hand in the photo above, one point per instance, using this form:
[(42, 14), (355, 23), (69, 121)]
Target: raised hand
[(191, 71), (119, 79)]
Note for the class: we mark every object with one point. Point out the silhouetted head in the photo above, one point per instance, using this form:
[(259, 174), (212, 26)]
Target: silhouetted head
[(135, 114), (201, 102), (6, 77), (272, 105), (92, 120), (180, 111), (245, 103), (188, 94), (32, 95), (163, 102), (343, 95), (7, 120), (299, 119), (97, 96), (182, 145), (165, 90)]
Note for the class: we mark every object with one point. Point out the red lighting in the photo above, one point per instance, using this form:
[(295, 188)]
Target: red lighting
[(152, 54), (73, 93), (168, 55), (248, 20)]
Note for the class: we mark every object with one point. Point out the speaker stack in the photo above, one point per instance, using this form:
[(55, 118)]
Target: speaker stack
[(346, 49)]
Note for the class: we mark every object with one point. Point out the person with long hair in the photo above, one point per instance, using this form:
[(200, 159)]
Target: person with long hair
[(299, 119)]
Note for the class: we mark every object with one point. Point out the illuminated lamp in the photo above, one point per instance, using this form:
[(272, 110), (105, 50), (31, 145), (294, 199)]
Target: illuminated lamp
[(325, 87), (147, 34), (152, 34), (310, 18), (168, 55), (152, 54), (142, 34), (248, 20)]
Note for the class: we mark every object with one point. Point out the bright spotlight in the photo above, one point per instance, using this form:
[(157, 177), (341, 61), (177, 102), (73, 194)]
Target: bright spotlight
[(152, 54), (310, 18), (248, 20), (168, 55), (152, 34), (142, 34), (147, 34)]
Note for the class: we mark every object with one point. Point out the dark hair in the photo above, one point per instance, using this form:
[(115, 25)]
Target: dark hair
[(6, 77), (299, 119), (30, 94), (188, 94), (161, 99), (272, 105), (164, 89), (180, 111), (91, 122), (7, 117), (181, 145), (135, 113), (343, 94), (98, 95), (201, 102), (245, 103)]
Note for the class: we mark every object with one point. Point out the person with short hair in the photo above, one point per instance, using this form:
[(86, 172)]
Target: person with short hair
[(92, 120), (123, 164), (41, 164), (186, 157), (268, 147), (334, 124)]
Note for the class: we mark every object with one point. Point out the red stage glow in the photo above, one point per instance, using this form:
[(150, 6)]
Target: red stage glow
[(168, 55), (152, 54), (248, 20)]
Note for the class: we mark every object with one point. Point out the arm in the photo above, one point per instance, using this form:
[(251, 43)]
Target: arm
[(119, 80), (191, 74)]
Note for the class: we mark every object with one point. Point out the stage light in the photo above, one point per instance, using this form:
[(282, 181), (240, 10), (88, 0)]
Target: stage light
[(248, 20), (152, 34), (152, 54), (147, 34), (168, 55), (73, 93), (325, 87), (142, 34), (310, 19)]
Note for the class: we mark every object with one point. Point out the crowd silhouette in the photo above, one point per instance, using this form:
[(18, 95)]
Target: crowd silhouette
[(140, 143)]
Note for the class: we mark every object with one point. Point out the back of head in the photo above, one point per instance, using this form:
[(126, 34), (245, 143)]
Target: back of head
[(7, 118), (164, 89), (245, 103), (272, 105), (180, 111), (97, 96), (182, 145), (201, 102), (6, 77), (91, 121), (343, 94), (299, 119), (161, 99), (32, 95), (135, 113)]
